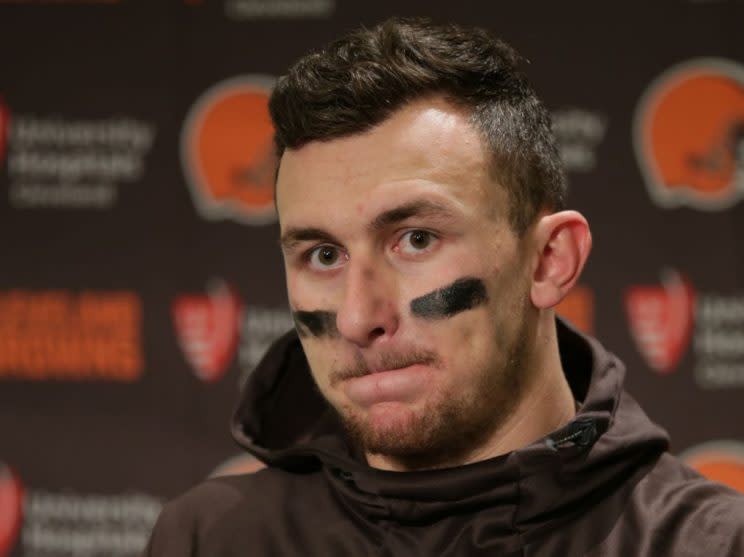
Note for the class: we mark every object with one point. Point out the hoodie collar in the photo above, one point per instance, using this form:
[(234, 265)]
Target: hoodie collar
[(284, 421)]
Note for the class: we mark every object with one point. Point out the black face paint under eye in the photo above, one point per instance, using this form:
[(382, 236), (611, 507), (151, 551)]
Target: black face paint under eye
[(461, 295), (316, 323)]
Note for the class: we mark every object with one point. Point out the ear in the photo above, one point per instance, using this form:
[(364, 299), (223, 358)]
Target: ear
[(563, 245)]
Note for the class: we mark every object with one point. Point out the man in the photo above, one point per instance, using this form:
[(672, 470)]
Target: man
[(421, 208)]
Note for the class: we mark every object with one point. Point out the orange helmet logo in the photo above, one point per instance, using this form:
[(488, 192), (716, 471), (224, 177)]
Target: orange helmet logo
[(720, 461), (227, 151), (578, 308), (239, 464), (689, 135)]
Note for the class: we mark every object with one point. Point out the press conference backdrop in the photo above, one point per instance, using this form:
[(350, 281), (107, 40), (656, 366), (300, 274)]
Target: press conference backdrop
[(141, 279)]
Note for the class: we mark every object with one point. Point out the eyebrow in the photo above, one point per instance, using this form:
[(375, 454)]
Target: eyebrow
[(418, 208), (296, 235)]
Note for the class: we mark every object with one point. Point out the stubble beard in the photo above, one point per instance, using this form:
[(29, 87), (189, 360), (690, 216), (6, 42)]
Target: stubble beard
[(446, 429)]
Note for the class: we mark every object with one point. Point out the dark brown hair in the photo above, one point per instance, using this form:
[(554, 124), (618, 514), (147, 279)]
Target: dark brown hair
[(358, 81)]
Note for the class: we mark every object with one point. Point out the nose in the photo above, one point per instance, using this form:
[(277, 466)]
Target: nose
[(368, 312)]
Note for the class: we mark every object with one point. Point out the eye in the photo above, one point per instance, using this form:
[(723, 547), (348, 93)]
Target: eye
[(416, 242), (325, 257)]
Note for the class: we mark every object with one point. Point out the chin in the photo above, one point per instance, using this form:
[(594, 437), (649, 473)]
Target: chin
[(391, 420), (394, 429)]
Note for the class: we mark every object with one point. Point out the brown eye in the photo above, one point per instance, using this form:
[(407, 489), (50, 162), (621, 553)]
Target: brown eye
[(420, 239), (417, 242), (325, 257)]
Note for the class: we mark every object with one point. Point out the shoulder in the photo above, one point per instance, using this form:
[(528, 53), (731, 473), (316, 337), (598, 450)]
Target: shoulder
[(702, 515), (672, 484), (216, 504)]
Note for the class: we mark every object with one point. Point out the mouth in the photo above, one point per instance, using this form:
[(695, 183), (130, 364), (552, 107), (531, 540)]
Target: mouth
[(391, 376), (385, 363), (390, 384), (387, 368)]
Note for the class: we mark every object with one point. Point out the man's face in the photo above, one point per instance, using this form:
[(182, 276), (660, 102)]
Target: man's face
[(410, 290)]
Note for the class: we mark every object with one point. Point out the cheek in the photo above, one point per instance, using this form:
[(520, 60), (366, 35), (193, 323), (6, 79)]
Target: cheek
[(466, 334), (320, 359), (464, 341), (308, 294), (481, 335)]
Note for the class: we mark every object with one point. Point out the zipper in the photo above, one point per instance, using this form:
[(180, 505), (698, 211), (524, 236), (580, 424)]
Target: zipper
[(581, 432)]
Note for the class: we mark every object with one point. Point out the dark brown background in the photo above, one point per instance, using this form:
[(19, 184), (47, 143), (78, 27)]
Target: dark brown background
[(152, 60)]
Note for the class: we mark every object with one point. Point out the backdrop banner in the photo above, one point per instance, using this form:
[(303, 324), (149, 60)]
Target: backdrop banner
[(141, 275)]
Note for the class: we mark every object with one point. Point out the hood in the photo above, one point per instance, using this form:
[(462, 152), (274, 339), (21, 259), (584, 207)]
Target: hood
[(284, 421)]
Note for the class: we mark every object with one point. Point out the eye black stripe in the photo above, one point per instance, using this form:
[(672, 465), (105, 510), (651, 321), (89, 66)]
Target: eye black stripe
[(315, 323), (461, 295)]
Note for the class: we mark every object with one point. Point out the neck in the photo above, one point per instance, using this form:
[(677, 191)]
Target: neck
[(546, 404)]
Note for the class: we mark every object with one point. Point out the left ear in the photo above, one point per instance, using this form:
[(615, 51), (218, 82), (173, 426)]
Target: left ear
[(563, 244)]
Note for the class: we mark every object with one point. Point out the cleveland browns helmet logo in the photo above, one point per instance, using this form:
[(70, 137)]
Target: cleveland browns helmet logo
[(239, 464), (721, 461), (227, 151), (689, 135), (578, 308)]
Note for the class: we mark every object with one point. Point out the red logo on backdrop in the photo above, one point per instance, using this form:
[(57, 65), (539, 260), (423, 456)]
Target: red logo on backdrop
[(661, 319), (11, 509), (4, 125), (689, 135), (721, 461), (227, 151), (208, 327)]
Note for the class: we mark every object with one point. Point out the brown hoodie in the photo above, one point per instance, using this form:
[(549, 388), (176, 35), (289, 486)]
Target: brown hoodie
[(603, 485)]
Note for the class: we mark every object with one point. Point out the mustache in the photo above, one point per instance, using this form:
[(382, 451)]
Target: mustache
[(385, 361)]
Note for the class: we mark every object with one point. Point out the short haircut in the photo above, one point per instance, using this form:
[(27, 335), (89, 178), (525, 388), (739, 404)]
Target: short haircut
[(363, 78)]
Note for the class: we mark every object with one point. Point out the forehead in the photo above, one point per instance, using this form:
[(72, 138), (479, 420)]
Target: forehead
[(427, 148)]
